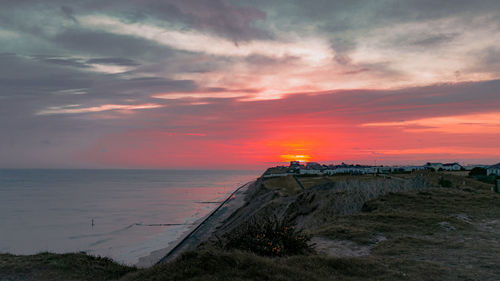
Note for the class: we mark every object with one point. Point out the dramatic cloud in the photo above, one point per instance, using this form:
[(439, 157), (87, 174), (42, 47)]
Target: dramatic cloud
[(75, 108), (488, 123), (314, 50), (167, 83)]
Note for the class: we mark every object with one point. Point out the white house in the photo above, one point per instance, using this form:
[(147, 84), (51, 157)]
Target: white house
[(452, 167), (350, 169), (493, 170), (310, 172), (435, 166)]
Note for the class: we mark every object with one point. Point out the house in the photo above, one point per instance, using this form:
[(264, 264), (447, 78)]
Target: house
[(413, 168), (434, 166), (349, 169), (310, 172), (452, 167), (314, 166), (493, 170), (383, 170)]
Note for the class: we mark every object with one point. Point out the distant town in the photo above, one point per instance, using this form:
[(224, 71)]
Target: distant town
[(313, 168)]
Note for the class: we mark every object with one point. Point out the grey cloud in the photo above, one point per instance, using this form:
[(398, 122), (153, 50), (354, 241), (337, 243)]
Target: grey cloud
[(234, 21), (345, 21), (487, 60), (104, 44), (113, 61), (68, 12), (25, 77), (433, 40), (64, 61)]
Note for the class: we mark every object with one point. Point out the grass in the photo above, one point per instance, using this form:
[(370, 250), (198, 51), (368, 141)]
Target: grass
[(285, 185), (444, 226), (214, 264), (411, 213), (49, 266)]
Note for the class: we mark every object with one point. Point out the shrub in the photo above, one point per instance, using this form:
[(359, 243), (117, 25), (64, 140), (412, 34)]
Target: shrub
[(267, 236), (444, 183), (477, 171)]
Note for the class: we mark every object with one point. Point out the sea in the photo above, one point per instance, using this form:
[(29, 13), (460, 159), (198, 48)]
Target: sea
[(121, 214)]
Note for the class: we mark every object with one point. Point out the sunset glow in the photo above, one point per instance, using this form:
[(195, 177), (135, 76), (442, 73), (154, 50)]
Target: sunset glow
[(235, 84), (301, 158)]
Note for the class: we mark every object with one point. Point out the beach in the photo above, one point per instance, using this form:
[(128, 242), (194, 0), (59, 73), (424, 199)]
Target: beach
[(121, 214), (201, 230)]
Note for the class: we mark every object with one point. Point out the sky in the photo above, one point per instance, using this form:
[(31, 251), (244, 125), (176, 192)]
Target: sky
[(225, 84)]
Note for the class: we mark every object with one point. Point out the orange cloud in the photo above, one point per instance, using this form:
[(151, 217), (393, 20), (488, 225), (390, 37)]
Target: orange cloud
[(484, 123)]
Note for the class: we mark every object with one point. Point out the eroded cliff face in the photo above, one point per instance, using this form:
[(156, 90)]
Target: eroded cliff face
[(309, 208)]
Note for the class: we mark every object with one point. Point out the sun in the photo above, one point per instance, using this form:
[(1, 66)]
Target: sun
[(296, 157)]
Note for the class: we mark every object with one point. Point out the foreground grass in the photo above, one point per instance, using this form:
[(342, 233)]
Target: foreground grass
[(48, 266), (432, 234), (213, 264), (210, 263)]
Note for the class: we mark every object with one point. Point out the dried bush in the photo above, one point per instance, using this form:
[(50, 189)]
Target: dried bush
[(267, 236)]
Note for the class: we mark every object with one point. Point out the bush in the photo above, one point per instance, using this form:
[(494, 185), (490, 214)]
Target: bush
[(444, 183), (267, 236), (477, 171)]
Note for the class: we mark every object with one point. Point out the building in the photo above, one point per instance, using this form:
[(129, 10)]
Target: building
[(411, 168), (434, 166), (349, 169), (452, 167), (310, 172), (314, 166), (493, 170)]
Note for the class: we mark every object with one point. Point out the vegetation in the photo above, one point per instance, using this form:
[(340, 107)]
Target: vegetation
[(486, 179), (268, 236), (215, 264), (477, 171), (48, 266), (480, 174), (444, 182)]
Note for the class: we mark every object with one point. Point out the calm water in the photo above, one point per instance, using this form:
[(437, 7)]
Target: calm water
[(52, 210)]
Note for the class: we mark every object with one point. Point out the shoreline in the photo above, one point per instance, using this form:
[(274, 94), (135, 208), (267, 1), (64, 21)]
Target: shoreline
[(360, 229), (201, 230)]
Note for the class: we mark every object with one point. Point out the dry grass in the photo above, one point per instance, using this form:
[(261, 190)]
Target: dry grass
[(286, 185), (48, 266), (213, 264), (455, 228)]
